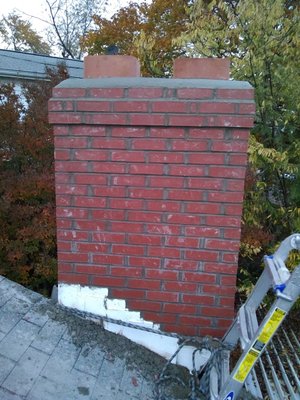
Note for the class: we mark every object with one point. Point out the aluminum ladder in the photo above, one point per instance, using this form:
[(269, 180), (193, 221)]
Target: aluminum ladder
[(255, 339)]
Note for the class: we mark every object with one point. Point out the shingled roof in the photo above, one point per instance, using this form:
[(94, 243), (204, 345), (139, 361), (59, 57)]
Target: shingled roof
[(15, 65)]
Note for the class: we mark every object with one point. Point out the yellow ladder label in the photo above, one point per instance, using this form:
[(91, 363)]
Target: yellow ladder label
[(246, 365), (271, 325)]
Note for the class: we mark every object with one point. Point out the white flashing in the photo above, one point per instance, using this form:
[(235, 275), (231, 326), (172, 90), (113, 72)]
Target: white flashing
[(95, 300)]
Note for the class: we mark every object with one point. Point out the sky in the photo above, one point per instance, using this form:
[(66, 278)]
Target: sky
[(37, 8)]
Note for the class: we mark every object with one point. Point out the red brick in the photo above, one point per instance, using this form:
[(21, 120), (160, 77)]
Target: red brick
[(199, 277), (144, 169), (194, 93), (192, 195), (161, 274), (62, 154), (68, 92), (183, 170), (108, 259), (186, 219), (181, 287), (145, 93), (83, 130), (84, 201), (247, 108), (157, 205), (227, 172), (131, 106), (71, 166), (167, 158), (186, 120), (183, 330), (91, 269), (227, 302), (234, 209), (181, 241), (220, 268), (222, 197), (172, 132), (109, 168), (68, 212), (105, 191), (201, 255), (127, 204), (90, 105), (108, 214), (232, 234), (92, 247), (229, 121), (128, 293), (144, 284), (148, 144), (210, 133), (166, 182), (63, 267), (64, 118), (128, 250), (240, 134), (90, 179), (128, 132), (230, 146), (126, 227), (170, 107), (61, 130), (70, 143), (163, 229), (213, 332), (143, 305), (224, 323), (73, 278), (63, 246), (90, 225), (108, 237), (62, 200), (72, 235), (180, 308), (147, 119), (93, 155), (205, 183), (163, 252), (238, 159), (219, 290), (123, 271), (107, 93), (217, 108), (162, 296), (105, 119), (72, 257), (202, 208), (63, 223), (219, 244), (194, 320), (130, 156), (144, 216), (235, 94), (207, 159), (104, 143), (184, 265), (189, 145), (145, 239), (55, 105), (228, 280), (62, 178), (217, 312), (198, 299), (160, 318), (144, 262), (108, 281), (128, 180), (146, 193), (235, 185), (225, 221), (202, 231)]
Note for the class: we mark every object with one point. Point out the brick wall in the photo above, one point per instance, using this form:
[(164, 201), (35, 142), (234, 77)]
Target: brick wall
[(149, 190)]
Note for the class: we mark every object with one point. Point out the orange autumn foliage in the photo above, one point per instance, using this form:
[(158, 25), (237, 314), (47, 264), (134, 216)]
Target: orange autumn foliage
[(27, 201)]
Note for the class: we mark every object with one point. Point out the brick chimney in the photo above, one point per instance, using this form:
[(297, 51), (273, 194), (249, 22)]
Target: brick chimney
[(149, 192)]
